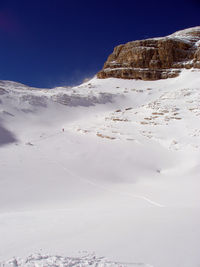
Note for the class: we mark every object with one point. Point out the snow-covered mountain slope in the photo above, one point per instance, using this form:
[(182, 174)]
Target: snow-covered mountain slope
[(190, 35), (122, 179)]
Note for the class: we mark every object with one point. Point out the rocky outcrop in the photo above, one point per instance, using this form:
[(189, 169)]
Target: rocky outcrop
[(156, 58)]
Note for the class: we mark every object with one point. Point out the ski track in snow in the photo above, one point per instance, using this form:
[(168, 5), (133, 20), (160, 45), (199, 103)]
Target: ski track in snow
[(88, 181), (115, 191)]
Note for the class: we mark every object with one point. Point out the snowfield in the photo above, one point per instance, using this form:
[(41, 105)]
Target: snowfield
[(110, 166)]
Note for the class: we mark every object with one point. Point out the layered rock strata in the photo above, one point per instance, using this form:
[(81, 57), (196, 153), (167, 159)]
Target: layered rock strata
[(156, 58)]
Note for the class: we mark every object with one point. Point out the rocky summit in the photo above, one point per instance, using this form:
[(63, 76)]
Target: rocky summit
[(155, 58)]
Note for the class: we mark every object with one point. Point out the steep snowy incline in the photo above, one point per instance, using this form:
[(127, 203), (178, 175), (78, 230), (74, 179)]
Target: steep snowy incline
[(167, 115), (110, 166)]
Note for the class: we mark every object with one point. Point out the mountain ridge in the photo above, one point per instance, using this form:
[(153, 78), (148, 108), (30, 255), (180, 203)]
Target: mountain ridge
[(154, 58)]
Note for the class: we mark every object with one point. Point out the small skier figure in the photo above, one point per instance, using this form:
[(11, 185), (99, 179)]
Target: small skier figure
[(63, 129)]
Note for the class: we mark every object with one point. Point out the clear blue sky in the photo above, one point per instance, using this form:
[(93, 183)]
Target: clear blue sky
[(60, 42)]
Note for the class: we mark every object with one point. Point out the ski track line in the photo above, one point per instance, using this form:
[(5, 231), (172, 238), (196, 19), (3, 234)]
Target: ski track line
[(152, 202), (42, 138), (110, 190)]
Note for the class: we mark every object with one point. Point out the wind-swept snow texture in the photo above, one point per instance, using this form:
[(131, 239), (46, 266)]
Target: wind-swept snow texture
[(82, 259), (110, 166)]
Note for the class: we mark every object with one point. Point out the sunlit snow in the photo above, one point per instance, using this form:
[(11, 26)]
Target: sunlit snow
[(110, 166)]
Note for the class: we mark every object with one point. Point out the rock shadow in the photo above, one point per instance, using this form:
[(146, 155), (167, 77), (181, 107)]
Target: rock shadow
[(85, 101), (6, 137)]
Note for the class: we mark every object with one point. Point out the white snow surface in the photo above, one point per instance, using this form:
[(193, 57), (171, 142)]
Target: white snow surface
[(189, 35), (82, 259), (122, 179), (188, 31)]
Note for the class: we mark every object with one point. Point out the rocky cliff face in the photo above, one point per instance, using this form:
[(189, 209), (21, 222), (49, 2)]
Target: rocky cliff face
[(156, 58)]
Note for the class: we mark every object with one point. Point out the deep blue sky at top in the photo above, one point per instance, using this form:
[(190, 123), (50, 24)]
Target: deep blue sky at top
[(60, 42)]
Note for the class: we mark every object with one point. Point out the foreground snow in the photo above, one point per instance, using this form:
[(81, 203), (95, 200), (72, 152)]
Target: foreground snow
[(122, 179), (84, 260)]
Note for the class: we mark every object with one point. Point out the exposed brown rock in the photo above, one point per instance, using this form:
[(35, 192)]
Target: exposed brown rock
[(153, 59)]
